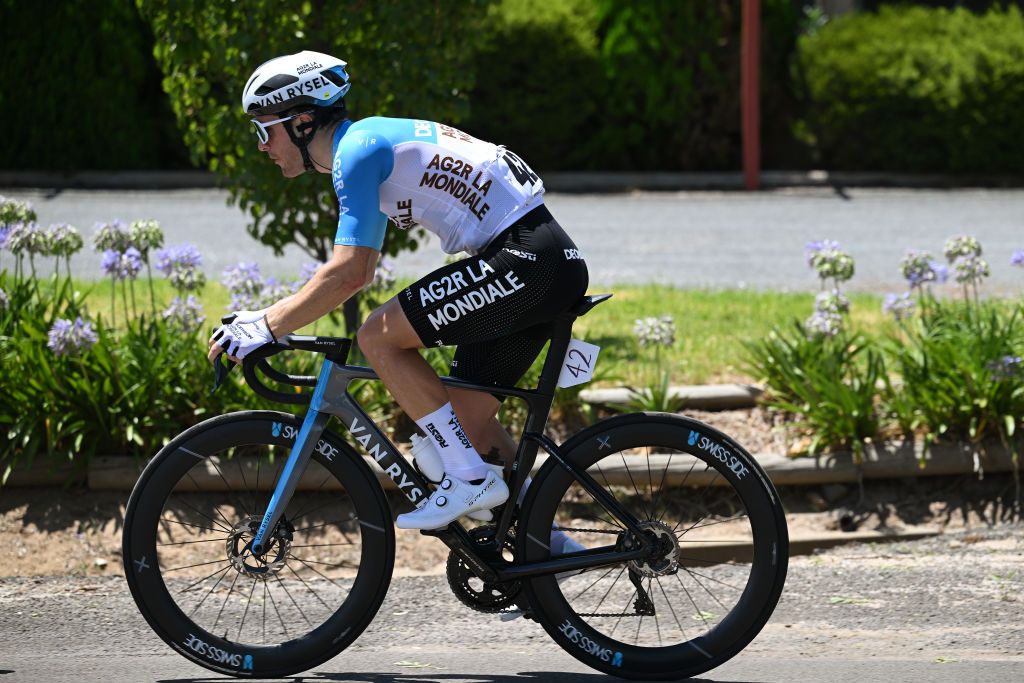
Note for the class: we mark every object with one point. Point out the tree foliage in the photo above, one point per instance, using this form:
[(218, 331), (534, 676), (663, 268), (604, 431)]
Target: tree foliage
[(917, 89), (402, 63), (78, 81)]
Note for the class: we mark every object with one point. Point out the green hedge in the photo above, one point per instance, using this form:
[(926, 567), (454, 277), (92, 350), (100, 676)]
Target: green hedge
[(81, 89), (620, 85), (916, 89)]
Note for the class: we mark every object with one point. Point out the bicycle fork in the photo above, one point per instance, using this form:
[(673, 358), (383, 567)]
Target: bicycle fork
[(298, 459)]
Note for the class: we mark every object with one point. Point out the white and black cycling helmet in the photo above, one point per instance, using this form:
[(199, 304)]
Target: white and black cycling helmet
[(304, 79)]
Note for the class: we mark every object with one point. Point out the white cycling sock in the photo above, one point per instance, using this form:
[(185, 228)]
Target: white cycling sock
[(459, 457)]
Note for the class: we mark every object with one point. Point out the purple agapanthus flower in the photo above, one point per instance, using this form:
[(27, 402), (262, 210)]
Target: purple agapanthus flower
[(122, 265), (4, 232), (1018, 258), (63, 240), (919, 268), (824, 324), (186, 314), (180, 263), (1007, 367), (384, 276), (829, 260), (244, 277), (66, 337), (178, 256), (970, 269), (113, 236), (899, 306)]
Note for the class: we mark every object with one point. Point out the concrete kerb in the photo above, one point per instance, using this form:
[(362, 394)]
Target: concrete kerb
[(889, 461), (700, 397)]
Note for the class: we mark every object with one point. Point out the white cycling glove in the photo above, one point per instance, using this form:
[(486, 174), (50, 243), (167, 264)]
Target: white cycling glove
[(241, 339), (244, 316)]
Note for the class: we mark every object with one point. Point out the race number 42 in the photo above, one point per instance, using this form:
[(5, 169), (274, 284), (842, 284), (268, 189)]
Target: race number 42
[(578, 364)]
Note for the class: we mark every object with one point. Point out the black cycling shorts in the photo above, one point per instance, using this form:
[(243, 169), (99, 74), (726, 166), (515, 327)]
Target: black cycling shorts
[(498, 306)]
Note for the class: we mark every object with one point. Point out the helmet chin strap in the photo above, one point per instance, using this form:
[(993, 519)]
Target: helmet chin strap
[(308, 130)]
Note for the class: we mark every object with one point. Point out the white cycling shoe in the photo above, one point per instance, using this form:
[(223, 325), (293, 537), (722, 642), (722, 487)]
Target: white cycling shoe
[(454, 498), (428, 462)]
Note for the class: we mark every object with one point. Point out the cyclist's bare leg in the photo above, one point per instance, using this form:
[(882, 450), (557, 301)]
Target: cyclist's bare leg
[(477, 411), (392, 346)]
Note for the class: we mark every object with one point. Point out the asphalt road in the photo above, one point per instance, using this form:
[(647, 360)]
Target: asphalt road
[(690, 239), (947, 608)]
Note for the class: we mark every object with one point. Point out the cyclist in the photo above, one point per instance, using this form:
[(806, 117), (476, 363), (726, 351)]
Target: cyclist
[(496, 305)]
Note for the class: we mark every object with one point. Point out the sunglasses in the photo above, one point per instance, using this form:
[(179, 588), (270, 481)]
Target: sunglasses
[(261, 126)]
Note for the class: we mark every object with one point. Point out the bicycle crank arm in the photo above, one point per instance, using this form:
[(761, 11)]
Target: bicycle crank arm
[(588, 559)]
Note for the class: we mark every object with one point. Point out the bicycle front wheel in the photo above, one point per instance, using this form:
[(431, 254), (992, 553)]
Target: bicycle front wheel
[(186, 553), (718, 539)]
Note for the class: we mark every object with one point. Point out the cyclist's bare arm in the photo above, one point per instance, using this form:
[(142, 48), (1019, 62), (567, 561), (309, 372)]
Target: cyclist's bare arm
[(349, 270)]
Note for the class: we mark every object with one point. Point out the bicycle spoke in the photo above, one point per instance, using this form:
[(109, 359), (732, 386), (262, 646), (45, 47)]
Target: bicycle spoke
[(289, 594), (273, 602), (622, 612), (307, 586), (196, 583), (661, 486), (317, 490), (317, 571), (593, 584), (635, 489), (264, 612), (202, 540), (189, 566), (710, 578), (672, 609), (201, 528), (229, 487), (246, 612), (700, 612), (209, 593), (603, 597), (224, 604), (226, 529)]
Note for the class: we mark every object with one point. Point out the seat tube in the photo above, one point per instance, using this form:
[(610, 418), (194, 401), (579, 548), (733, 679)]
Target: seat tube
[(313, 426)]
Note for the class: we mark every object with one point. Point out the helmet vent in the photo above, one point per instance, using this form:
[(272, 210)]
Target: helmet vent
[(333, 77), (275, 83)]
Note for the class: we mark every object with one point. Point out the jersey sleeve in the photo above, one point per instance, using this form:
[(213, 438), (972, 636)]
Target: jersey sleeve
[(362, 162)]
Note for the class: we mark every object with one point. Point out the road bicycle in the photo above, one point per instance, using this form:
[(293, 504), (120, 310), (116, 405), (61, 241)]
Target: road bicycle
[(283, 567)]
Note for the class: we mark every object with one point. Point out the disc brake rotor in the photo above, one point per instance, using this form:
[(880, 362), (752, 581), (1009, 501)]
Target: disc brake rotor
[(258, 566)]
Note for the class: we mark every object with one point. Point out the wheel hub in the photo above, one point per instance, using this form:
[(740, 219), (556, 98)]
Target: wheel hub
[(239, 548), (664, 557)]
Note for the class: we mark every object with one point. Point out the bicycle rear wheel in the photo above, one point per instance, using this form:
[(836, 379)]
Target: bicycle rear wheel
[(201, 589), (718, 529)]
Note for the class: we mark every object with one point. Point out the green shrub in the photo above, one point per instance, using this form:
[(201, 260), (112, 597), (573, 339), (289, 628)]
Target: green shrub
[(539, 81), (81, 89), (917, 89), (828, 384), (959, 378)]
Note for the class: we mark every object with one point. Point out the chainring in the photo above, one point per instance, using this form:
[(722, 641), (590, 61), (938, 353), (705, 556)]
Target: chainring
[(473, 591)]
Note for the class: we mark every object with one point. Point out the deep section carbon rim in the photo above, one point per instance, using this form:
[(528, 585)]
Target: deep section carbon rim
[(717, 559), (196, 579)]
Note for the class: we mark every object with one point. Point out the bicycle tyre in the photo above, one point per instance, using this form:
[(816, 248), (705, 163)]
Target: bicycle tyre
[(159, 509), (554, 497)]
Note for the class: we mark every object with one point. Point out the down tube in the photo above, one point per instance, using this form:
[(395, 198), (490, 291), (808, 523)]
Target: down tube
[(369, 436)]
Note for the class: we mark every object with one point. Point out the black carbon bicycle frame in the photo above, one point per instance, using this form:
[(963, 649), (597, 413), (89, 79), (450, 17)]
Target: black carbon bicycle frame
[(331, 397)]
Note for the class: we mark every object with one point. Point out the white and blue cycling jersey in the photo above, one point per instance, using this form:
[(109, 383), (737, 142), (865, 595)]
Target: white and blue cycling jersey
[(465, 191)]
